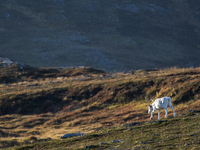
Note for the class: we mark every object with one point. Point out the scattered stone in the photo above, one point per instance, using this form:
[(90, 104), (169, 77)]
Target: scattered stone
[(71, 135), (132, 124), (156, 121), (36, 84), (84, 76), (186, 144), (170, 116), (159, 121), (103, 143), (193, 134), (21, 67), (143, 146), (182, 114), (116, 141), (193, 110), (97, 129), (6, 62), (89, 146), (156, 135), (151, 140)]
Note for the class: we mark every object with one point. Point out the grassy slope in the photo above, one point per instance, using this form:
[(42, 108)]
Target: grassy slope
[(176, 133), (52, 102)]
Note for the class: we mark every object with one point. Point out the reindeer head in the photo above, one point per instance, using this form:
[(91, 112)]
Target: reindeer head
[(150, 108)]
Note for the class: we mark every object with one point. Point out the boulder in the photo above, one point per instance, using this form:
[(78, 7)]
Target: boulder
[(71, 135)]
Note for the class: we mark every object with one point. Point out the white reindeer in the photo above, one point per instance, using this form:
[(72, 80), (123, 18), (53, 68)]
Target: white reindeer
[(160, 103)]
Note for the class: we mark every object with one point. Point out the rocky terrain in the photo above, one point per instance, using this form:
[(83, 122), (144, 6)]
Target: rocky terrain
[(111, 35)]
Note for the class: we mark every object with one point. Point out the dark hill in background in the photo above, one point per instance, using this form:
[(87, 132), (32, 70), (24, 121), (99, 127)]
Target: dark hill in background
[(111, 35)]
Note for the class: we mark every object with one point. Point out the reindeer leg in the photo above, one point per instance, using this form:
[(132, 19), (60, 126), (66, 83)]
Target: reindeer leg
[(173, 110), (152, 114), (166, 112), (159, 114)]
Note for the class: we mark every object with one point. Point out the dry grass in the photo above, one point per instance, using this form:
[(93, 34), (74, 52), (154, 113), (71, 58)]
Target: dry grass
[(60, 105)]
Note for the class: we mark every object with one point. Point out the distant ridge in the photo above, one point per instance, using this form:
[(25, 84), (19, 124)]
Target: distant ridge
[(112, 35)]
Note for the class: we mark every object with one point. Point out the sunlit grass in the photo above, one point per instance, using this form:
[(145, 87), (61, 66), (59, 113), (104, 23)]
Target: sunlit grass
[(88, 104)]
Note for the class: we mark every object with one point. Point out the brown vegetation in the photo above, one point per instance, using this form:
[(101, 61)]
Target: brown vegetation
[(49, 106)]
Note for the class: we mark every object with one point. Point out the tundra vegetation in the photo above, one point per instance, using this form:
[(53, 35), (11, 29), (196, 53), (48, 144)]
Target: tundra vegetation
[(40, 105)]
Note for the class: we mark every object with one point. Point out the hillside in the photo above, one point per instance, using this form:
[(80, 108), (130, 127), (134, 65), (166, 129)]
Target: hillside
[(110, 35), (39, 105)]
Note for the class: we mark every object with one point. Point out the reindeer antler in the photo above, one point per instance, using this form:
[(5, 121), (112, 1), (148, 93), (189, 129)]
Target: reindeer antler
[(152, 99), (146, 99)]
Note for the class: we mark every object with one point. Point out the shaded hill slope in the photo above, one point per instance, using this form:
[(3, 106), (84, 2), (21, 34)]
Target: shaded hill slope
[(15, 74), (41, 90), (109, 35)]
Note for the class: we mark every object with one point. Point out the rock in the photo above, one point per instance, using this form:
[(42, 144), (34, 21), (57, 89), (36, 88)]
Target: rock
[(36, 84), (133, 124), (156, 135), (156, 121), (116, 141), (21, 67), (97, 129), (159, 121), (103, 143), (6, 62), (89, 146), (151, 140), (71, 135), (193, 110)]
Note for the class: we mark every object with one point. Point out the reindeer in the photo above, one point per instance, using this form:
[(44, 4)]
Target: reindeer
[(160, 103)]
